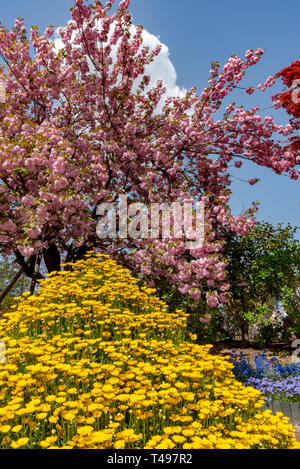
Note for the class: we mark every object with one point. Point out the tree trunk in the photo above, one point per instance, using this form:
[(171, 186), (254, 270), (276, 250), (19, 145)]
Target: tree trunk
[(52, 258), (244, 323), (245, 332), (10, 286), (27, 266), (36, 271), (80, 253)]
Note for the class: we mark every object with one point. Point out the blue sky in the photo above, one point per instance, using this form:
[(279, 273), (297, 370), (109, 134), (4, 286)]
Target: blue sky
[(197, 32)]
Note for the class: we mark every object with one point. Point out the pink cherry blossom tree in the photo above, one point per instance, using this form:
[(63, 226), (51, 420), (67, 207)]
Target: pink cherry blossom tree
[(80, 125)]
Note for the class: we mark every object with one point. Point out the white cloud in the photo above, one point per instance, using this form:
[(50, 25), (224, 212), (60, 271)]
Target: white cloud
[(160, 69)]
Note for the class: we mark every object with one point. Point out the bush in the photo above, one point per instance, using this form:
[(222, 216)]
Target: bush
[(96, 361), (263, 267)]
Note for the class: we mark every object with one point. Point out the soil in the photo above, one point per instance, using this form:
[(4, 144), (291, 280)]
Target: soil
[(281, 350)]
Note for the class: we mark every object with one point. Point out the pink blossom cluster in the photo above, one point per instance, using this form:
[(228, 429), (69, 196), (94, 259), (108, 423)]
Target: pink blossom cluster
[(270, 81), (74, 132)]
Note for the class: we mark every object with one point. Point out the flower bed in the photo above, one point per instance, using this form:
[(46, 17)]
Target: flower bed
[(279, 384), (287, 389), (95, 361), (275, 380)]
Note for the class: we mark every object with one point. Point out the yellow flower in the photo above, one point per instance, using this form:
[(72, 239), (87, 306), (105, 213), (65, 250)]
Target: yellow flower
[(53, 419), (93, 332), (72, 391), (129, 435), (50, 398), (41, 415), (48, 441), (100, 437), (69, 416), (5, 440), (5, 428), (19, 443), (171, 430), (85, 430), (16, 428), (188, 432), (178, 439), (90, 420), (193, 336), (120, 444)]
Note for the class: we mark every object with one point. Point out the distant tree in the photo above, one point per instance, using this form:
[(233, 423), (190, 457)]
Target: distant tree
[(290, 100), (262, 267)]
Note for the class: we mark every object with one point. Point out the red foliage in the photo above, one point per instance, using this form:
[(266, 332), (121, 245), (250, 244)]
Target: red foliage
[(290, 99)]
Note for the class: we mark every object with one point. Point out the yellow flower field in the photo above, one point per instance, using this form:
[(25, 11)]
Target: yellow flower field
[(96, 361)]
